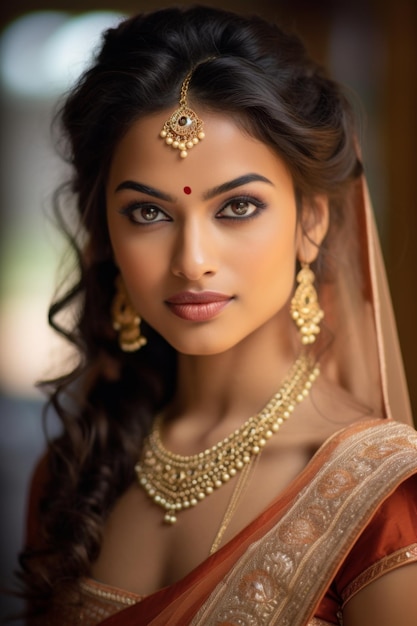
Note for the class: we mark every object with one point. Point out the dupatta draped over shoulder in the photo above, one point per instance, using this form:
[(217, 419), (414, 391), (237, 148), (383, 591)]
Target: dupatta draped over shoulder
[(364, 356), (296, 563), (332, 531)]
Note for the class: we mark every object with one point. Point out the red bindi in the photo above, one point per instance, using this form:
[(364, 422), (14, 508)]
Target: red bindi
[(187, 190)]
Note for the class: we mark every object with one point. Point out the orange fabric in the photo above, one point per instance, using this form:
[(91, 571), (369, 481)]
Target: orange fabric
[(392, 527)]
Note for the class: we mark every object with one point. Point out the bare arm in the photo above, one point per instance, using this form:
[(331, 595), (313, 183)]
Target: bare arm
[(388, 601)]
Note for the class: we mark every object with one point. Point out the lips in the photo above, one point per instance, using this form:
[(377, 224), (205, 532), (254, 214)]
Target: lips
[(198, 306)]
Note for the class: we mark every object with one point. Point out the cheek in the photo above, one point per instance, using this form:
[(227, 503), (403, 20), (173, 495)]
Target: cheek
[(135, 257), (269, 260), (139, 266), (274, 279)]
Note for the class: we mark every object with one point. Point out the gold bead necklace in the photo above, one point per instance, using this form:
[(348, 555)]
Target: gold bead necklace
[(176, 482)]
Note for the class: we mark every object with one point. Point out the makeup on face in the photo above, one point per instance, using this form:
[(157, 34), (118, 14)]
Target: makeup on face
[(198, 306), (206, 245)]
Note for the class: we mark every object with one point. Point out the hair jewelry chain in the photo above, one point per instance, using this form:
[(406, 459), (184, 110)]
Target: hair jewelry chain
[(184, 129), (176, 482)]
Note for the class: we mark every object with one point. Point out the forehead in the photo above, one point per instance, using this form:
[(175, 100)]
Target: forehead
[(226, 152)]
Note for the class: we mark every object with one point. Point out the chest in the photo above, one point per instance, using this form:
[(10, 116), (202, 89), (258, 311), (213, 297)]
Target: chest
[(142, 553)]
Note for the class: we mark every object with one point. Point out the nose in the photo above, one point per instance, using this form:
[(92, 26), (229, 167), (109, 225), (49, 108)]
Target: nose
[(193, 255)]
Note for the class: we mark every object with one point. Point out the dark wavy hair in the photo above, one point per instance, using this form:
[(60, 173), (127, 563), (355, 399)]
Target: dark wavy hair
[(264, 79)]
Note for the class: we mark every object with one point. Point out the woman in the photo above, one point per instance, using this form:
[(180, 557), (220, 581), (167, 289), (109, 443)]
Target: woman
[(232, 451)]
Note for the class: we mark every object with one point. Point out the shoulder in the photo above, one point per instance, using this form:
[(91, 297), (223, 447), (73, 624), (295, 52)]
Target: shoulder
[(387, 544), (380, 457), (390, 599)]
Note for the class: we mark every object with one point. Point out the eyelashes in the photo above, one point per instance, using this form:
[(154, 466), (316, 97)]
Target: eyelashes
[(241, 208), (238, 208), (144, 213)]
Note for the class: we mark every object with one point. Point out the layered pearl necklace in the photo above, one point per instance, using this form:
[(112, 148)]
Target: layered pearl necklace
[(176, 482)]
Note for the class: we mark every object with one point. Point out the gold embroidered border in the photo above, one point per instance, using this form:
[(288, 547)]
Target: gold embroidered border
[(108, 593), (281, 577), (375, 571), (87, 604)]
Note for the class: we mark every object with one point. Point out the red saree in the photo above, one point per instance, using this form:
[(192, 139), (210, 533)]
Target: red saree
[(288, 565)]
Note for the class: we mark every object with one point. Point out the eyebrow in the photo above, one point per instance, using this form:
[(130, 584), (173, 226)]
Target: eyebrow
[(150, 191), (211, 193), (236, 182)]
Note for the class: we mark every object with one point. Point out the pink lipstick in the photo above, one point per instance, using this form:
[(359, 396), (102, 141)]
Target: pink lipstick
[(196, 306)]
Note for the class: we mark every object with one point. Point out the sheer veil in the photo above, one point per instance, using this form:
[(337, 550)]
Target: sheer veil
[(364, 355)]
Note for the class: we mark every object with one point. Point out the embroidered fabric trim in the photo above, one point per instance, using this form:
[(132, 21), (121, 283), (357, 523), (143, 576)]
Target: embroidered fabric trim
[(87, 603), (385, 565), (106, 592), (280, 578)]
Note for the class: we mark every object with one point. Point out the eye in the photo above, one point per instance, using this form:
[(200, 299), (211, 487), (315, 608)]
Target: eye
[(240, 208), (142, 213)]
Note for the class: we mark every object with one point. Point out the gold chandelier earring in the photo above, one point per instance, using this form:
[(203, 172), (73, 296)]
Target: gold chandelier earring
[(125, 320), (305, 308)]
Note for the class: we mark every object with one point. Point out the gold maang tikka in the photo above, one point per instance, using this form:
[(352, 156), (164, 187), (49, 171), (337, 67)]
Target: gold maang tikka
[(184, 129)]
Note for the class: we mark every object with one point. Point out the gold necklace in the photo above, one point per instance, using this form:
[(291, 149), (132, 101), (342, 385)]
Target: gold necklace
[(176, 482)]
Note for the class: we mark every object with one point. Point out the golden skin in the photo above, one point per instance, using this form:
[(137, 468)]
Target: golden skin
[(196, 246), (230, 365)]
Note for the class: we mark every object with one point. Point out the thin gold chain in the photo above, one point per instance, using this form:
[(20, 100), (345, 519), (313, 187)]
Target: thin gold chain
[(184, 89), (232, 506)]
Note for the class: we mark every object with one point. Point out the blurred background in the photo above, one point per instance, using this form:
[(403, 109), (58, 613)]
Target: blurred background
[(370, 45)]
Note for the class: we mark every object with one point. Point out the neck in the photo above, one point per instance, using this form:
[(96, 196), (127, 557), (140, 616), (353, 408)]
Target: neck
[(223, 390)]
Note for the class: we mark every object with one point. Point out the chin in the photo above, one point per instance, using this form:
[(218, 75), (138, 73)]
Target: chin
[(206, 347), (210, 350)]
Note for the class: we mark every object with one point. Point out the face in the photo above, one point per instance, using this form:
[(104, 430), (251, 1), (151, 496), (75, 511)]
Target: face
[(207, 244)]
